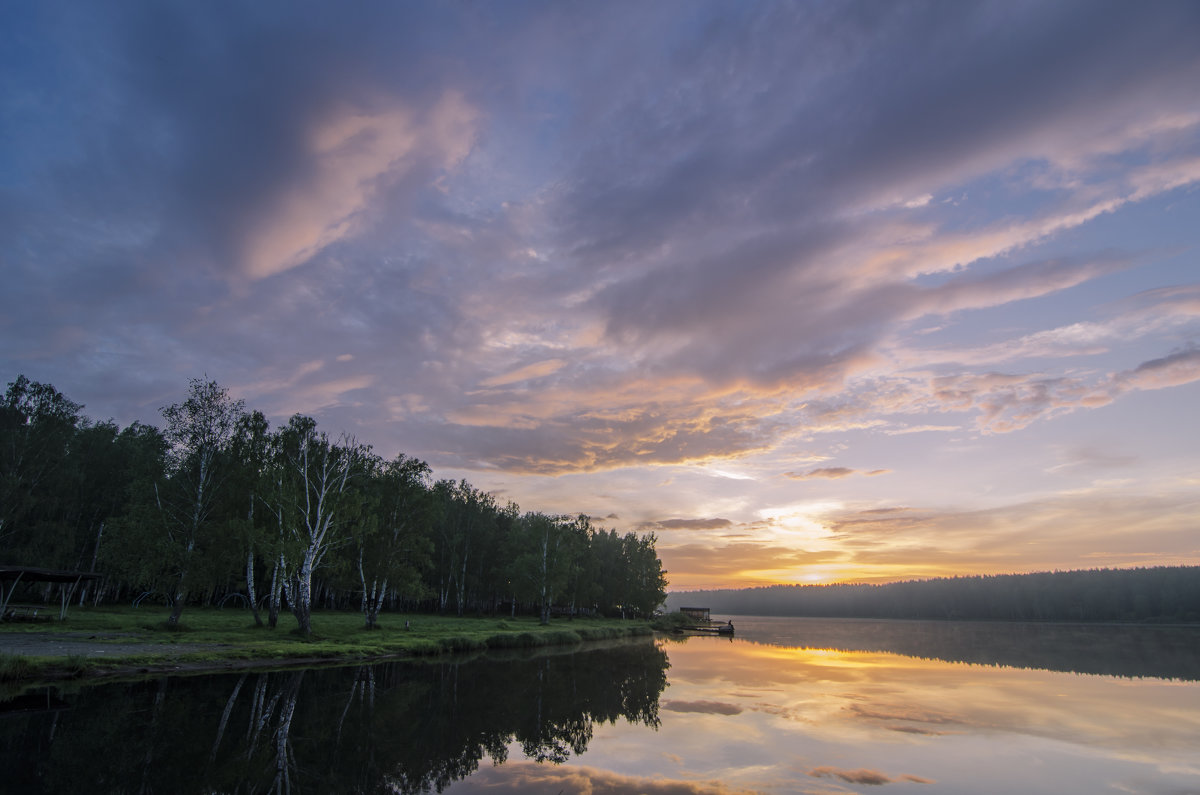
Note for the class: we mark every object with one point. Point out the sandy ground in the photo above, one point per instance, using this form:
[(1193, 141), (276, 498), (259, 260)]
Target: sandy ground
[(65, 644)]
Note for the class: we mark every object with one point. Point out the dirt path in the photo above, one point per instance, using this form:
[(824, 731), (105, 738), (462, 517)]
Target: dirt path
[(65, 644)]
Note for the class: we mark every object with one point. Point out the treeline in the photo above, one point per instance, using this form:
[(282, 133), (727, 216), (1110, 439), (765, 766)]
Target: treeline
[(218, 506), (1162, 594)]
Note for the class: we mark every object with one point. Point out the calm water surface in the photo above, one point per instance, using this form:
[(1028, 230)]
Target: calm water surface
[(788, 706)]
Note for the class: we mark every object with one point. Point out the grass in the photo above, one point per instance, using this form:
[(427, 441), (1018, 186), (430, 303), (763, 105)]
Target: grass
[(221, 637), (14, 667), (673, 621)]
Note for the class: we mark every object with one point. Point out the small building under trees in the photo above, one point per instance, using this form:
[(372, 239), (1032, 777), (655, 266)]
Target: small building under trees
[(12, 577)]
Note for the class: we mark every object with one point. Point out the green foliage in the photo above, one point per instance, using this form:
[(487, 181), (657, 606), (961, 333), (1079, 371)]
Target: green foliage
[(218, 506), (37, 426), (15, 667), (75, 664), (670, 622)]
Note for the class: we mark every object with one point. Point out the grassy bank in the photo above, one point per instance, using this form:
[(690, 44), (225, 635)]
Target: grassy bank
[(120, 638)]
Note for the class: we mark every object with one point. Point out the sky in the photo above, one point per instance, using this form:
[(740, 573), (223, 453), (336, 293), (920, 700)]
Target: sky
[(815, 291)]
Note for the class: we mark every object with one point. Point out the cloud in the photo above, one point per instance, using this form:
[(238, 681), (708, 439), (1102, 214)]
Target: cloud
[(704, 707), (442, 228), (1026, 281), (612, 422), (833, 473), (920, 429), (1088, 457), (1176, 369), (526, 373), (1106, 525), (689, 524), (529, 777), (1151, 313), (905, 714), (865, 776), (1010, 402), (757, 561), (351, 156)]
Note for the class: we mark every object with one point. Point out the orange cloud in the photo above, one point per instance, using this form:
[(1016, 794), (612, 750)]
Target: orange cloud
[(1102, 527)]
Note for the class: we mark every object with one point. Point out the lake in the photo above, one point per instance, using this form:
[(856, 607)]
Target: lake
[(786, 706)]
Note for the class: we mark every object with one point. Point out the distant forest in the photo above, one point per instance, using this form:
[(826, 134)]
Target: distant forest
[(1159, 594), (217, 507)]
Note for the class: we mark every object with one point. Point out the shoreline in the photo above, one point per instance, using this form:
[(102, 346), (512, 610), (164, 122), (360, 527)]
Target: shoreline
[(113, 644)]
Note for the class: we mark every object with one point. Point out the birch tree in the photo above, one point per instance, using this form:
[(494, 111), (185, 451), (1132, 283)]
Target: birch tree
[(251, 455), (547, 560), (198, 431), (463, 518), (392, 545), (317, 475)]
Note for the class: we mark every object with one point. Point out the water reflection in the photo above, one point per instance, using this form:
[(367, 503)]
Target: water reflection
[(1169, 652), (784, 718), (798, 706), (399, 727)]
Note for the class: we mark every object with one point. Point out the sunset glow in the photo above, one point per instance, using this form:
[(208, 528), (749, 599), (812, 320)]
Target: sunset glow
[(814, 292)]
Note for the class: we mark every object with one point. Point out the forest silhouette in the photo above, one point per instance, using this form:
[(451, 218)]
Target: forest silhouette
[(1160, 594)]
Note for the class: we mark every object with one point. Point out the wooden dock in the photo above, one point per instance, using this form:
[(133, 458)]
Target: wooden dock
[(704, 623), (710, 629)]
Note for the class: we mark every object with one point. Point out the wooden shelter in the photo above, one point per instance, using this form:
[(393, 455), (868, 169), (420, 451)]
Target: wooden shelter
[(697, 613), (13, 576)]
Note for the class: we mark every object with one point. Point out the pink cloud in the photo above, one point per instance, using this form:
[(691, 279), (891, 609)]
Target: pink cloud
[(833, 473), (351, 153)]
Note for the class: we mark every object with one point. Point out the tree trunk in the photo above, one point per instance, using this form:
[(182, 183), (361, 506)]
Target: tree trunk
[(462, 585), (354, 691), (225, 717), (250, 591), (283, 752), (371, 598), (302, 603), (374, 603), (276, 585), (177, 600), (545, 603), (95, 554), (257, 703)]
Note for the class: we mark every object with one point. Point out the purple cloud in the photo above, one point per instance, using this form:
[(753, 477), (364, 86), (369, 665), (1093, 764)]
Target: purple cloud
[(524, 242)]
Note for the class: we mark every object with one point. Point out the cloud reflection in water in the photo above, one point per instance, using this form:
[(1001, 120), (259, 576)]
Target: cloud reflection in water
[(774, 718)]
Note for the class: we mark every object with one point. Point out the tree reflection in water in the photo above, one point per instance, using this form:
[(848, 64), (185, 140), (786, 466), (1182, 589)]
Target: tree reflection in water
[(399, 727)]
